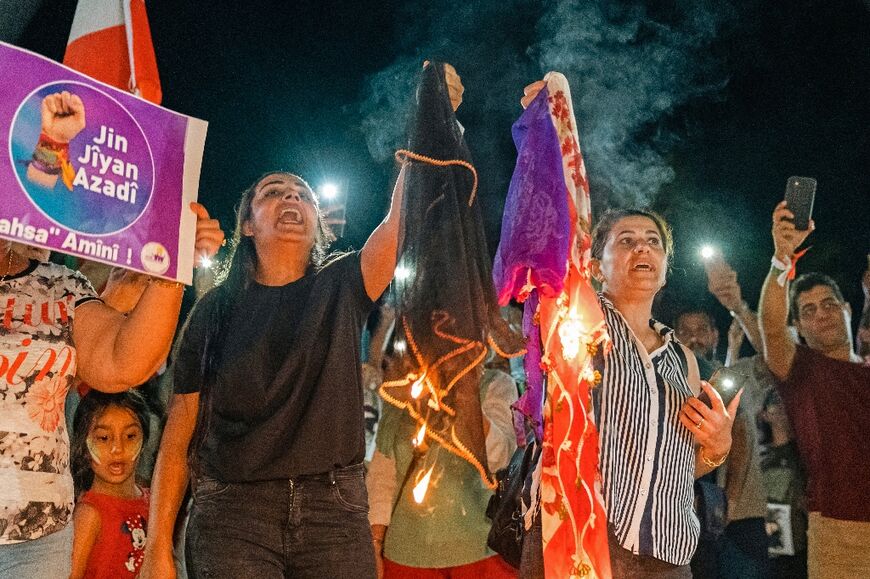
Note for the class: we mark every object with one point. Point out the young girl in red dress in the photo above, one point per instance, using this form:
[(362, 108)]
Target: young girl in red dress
[(110, 517)]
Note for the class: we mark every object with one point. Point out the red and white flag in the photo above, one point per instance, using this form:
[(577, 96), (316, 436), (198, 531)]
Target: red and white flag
[(110, 41)]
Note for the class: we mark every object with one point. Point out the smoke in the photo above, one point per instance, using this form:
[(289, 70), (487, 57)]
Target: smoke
[(629, 70), (630, 67), (486, 41), (387, 106)]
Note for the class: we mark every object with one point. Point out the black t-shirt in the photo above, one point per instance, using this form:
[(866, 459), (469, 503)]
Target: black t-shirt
[(288, 396)]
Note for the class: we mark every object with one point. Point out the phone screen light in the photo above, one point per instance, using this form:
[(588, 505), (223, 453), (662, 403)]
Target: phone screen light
[(329, 191)]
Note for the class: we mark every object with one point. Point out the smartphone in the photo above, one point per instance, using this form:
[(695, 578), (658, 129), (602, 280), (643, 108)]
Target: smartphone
[(800, 194), (726, 382)]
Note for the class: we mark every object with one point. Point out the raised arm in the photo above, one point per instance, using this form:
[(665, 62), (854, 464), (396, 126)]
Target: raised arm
[(168, 486), (779, 347), (735, 341), (379, 254), (722, 283), (117, 352)]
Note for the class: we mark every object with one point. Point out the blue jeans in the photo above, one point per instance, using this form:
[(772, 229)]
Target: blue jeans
[(48, 556), (307, 527)]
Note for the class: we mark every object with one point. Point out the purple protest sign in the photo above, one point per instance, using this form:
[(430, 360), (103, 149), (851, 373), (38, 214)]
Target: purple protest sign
[(93, 171)]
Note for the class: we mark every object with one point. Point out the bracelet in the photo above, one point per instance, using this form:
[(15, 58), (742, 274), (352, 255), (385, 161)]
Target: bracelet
[(166, 283), (52, 158), (50, 154), (744, 307), (780, 264), (787, 267), (783, 267), (712, 463)]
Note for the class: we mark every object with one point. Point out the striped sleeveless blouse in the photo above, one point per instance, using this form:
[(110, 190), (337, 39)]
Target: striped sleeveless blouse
[(647, 456)]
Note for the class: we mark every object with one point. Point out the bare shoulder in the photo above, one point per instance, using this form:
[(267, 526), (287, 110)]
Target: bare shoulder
[(86, 524), (86, 514)]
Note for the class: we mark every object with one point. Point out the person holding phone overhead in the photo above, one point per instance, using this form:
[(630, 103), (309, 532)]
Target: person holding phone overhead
[(825, 387)]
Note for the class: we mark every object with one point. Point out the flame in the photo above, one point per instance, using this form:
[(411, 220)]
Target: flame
[(417, 386), (421, 487), (421, 435)]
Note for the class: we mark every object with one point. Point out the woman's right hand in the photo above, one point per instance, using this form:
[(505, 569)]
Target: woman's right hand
[(158, 564)]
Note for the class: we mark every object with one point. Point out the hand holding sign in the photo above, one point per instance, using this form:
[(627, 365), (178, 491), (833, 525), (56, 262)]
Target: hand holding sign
[(98, 173), (209, 235)]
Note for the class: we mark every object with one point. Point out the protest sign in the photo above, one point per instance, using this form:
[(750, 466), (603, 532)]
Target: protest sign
[(93, 171)]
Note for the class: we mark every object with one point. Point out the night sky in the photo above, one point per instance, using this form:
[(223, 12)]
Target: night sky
[(698, 109)]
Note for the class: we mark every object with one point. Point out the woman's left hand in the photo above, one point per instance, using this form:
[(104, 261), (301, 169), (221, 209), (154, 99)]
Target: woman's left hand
[(710, 425)]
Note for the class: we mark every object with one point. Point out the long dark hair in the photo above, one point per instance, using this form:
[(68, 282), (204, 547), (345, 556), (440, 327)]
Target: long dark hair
[(232, 281), (91, 407)]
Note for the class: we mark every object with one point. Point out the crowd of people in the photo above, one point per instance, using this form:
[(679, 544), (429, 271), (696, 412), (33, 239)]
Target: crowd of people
[(274, 456)]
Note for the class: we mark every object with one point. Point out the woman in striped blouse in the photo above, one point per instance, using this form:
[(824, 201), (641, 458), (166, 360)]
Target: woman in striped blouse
[(656, 436)]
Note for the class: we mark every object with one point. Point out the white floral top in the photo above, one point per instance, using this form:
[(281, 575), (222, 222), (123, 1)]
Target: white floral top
[(37, 366)]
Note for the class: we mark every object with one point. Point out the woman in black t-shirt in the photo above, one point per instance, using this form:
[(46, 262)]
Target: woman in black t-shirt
[(267, 414)]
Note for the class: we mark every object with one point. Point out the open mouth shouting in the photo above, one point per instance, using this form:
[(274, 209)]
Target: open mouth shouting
[(292, 215), (643, 266), (116, 468)]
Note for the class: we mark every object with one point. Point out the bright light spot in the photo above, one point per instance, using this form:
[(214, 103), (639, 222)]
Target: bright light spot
[(400, 346), (421, 435), (329, 190), (422, 486), (571, 332), (417, 387), (708, 251), (205, 262), (727, 383), (402, 273)]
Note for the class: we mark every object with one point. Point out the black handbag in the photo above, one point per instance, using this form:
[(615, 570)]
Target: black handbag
[(505, 506), (711, 506)]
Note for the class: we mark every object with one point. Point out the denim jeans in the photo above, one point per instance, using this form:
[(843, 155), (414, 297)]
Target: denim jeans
[(307, 527), (48, 556)]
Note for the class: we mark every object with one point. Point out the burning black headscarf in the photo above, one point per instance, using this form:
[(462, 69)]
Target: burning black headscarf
[(447, 313)]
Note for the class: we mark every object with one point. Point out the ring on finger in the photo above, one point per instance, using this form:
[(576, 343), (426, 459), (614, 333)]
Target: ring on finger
[(700, 422)]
